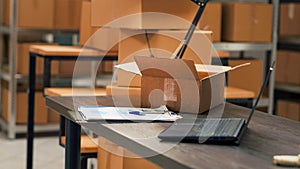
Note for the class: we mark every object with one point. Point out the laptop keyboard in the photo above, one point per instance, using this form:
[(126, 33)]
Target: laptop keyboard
[(216, 127)]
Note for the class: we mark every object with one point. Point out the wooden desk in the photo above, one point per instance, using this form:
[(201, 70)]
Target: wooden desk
[(266, 136), (75, 92), (50, 53)]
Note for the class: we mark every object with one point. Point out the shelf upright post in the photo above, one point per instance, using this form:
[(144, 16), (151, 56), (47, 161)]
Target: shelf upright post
[(13, 38), (275, 4)]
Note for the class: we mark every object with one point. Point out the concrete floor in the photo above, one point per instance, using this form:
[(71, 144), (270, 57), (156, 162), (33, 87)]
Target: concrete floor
[(47, 153)]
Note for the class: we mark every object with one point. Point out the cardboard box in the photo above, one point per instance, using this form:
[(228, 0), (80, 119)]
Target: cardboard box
[(293, 68), (108, 67), (247, 22), (289, 23), (131, 92), (162, 43), (287, 67), (281, 66), (112, 156), (84, 68), (33, 13), (181, 85), (40, 115), (249, 77), (22, 61), (176, 15), (288, 109), (96, 37), (53, 117), (2, 14), (86, 30), (67, 14), (211, 19)]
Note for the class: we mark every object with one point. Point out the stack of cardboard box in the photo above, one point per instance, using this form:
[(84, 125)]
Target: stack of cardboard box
[(46, 14), (289, 19), (246, 22), (288, 109), (287, 67), (165, 29)]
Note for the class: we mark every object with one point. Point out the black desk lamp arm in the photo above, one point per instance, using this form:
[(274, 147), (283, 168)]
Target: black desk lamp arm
[(183, 45)]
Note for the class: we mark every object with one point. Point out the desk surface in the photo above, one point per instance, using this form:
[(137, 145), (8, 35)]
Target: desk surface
[(56, 50), (266, 136)]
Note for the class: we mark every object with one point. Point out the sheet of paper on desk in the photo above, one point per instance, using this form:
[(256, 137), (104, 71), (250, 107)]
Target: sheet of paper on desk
[(91, 113)]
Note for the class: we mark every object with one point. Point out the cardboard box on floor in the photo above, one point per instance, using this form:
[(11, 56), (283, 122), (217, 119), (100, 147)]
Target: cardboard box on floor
[(163, 43), (288, 109), (22, 61), (33, 13), (104, 39), (249, 77), (179, 84), (175, 14), (247, 22), (289, 23), (67, 14), (112, 156), (40, 115)]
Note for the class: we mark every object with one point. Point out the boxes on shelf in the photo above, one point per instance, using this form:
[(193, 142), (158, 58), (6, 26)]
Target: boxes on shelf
[(86, 30), (175, 15), (281, 66), (288, 109), (248, 77), (22, 60), (101, 38), (67, 14), (180, 84), (211, 19), (287, 67), (33, 14), (40, 115), (247, 22), (289, 23), (66, 68), (162, 44), (2, 14)]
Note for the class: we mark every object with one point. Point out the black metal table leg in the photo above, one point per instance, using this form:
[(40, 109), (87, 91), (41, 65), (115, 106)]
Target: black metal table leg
[(30, 116), (47, 72), (62, 128), (72, 151)]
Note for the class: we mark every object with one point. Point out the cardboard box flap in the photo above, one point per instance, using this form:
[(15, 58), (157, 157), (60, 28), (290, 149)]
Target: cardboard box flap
[(164, 67), (212, 70), (129, 67)]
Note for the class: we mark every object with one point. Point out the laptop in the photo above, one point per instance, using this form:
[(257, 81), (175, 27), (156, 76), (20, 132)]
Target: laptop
[(212, 130)]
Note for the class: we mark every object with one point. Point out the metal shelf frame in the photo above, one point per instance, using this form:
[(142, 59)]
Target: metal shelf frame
[(288, 87), (270, 48), (13, 32)]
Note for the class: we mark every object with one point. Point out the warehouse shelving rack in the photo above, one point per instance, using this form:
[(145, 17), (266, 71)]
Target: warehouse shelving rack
[(12, 128), (10, 75), (269, 48), (291, 43)]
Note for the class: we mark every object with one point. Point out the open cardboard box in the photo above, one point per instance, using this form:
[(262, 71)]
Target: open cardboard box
[(180, 84)]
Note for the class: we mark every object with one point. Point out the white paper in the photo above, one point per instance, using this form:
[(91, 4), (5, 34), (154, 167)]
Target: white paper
[(90, 113)]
